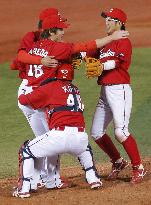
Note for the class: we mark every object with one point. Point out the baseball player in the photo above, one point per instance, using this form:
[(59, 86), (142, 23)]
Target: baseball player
[(66, 128), (36, 119), (115, 100)]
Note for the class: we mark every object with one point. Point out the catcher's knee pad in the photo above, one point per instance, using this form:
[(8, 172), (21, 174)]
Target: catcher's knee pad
[(24, 152), (86, 160), (121, 134)]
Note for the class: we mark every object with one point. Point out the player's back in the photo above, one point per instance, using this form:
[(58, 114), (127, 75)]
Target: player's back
[(62, 101), (68, 96)]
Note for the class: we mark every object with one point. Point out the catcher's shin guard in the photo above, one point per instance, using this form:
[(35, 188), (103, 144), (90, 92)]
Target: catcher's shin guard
[(86, 160), (23, 154)]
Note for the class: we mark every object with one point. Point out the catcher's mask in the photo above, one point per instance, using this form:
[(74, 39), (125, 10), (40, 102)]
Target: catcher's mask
[(65, 72)]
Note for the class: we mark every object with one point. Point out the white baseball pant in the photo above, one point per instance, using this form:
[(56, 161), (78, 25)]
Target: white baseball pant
[(115, 104), (51, 144), (38, 123)]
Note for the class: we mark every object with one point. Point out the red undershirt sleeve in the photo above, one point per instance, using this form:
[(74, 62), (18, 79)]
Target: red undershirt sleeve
[(86, 46), (24, 57)]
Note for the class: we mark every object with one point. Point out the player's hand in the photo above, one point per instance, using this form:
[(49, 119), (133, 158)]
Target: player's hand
[(49, 61), (119, 34)]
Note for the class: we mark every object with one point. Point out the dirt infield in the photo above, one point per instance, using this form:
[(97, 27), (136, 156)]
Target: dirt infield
[(119, 192), (18, 17)]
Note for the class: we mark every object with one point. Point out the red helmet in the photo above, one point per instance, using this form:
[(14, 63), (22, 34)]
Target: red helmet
[(65, 72)]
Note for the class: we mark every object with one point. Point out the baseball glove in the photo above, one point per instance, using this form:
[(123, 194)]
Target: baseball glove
[(94, 67), (77, 61)]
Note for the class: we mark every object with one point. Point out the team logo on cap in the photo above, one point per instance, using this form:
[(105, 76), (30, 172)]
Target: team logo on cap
[(111, 10)]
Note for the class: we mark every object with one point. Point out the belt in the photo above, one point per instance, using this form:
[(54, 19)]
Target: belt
[(62, 128), (109, 84)]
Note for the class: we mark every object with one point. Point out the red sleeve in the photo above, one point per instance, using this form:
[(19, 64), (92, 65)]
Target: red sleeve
[(23, 99), (39, 98), (27, 41), (24, 57), (124, 50), (61, 51), (86, 46)]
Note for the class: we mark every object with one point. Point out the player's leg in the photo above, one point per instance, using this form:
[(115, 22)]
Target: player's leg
[(80, 148), (50, 169), (39, 126), (38, 123), (101, 120), (87, 163), (26, 169), (54, 180), (120, 99), (45, 145)]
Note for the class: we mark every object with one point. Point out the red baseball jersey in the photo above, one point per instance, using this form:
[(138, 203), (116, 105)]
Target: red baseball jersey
[(26, 43), (120, 51), (38, 73), (57, 94)]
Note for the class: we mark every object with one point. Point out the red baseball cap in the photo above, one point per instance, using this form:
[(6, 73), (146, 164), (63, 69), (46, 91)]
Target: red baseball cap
[(48, 12), (115, 13), (54, 21), (65, 72)]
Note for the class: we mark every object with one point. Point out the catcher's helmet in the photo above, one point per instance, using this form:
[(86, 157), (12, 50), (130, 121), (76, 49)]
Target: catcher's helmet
[(65, 72)]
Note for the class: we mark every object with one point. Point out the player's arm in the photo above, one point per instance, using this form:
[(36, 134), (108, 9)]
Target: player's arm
[(124, 50), (108, 39), (39, 98), (99, 43), (48, 61)]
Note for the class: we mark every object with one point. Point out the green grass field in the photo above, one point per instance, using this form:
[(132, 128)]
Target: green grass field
[(14, 129)]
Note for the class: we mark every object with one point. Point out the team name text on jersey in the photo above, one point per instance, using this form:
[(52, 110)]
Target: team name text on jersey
[(69, 89), (107, 53), (38, 52)]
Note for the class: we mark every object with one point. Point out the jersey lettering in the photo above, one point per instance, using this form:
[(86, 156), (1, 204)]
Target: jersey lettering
[(38, 52), (35, 71), (71, 101), (106, 54)]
